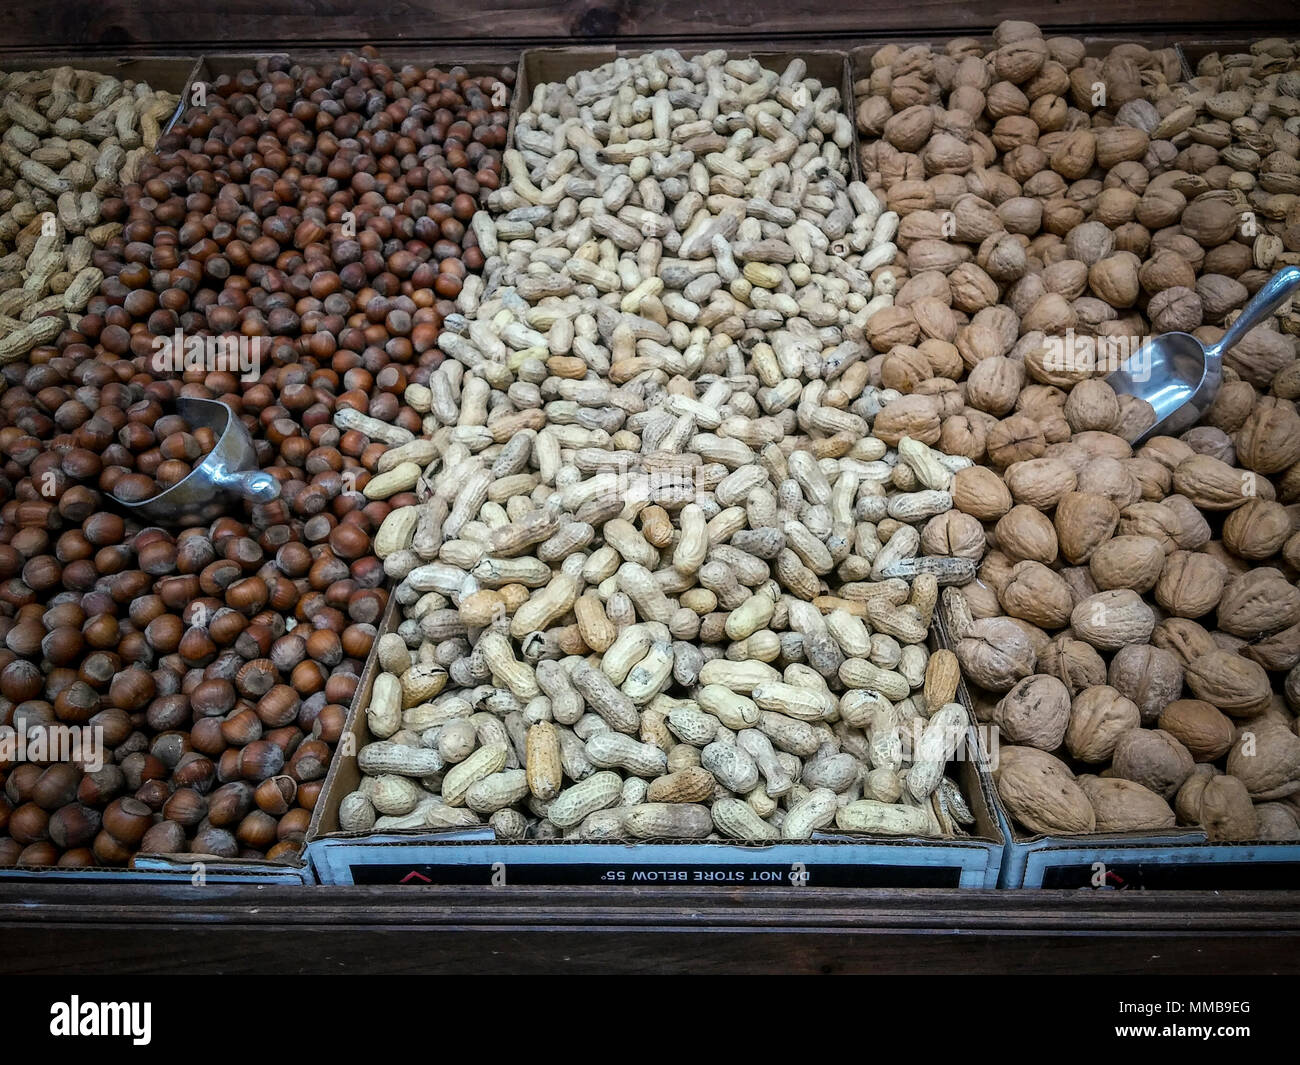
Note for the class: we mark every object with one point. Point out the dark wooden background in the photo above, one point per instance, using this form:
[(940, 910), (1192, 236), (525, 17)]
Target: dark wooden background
[(121, 26), (87, 930)]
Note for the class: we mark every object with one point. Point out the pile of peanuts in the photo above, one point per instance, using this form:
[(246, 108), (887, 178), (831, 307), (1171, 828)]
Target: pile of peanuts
[(661, 580), (71, 139)]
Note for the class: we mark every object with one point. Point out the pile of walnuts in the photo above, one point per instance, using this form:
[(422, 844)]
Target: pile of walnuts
[(1134, 628)]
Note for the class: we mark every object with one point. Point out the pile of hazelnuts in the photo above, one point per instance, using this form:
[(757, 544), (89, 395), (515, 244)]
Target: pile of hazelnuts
[(321, 212)]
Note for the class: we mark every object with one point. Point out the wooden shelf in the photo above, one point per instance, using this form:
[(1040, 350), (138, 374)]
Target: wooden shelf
[(150, 928)]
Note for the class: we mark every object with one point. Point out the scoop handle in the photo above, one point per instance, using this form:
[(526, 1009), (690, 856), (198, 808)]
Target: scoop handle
[(254, 486), (1268, 299)]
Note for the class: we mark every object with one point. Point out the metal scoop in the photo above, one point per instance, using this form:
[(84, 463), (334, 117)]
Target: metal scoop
[(1179, 377), (229, 469)]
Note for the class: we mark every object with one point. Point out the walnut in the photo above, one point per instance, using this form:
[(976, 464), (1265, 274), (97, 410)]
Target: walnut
[(1160, 207), (1259, 355), (1128, 562), (1035, 712), (942, 255), (1183, 638), (1199, 727), (1153, 758), (996, 653), (1219, 295), (1123, 77), (1230, 260), (980, 492), (1190, 584), (996, 570), (944, 358), (1002, 255), (1083, 521), (1266, 758), (928, 285), (1257, 529), (1166, 269), (1136, 416), (955, 534), (1062, 216), (1013, 131), (1090, 243), (1103, 445), (1049, 112), (1069, 277), (1151, 676), (904, 368), (1226, 810), (1051, 313), (1015, 439), (1075, 155), (1119, 144), (910, 128), (1110, 619), (962, 435), (1021, 214), (1026, 533), (935, 319), (1193, 529), (1067, 51), (1076, 664), (1092, 404), (946, 154), (1019, 60), (1214, 485), (972, 288), (1039, 791), (890, 326), (914, 416), (1115, 279), (1210, 220), (1276, 821), (1125, 805), (1140, 114), (1175, 310), (1208, 440), (1115, 207), (1034, 593), (1111, 478), (1268, 441), (1040, 482), (994, 384), (1279, 652), (1236, 685), (1145, 518), (1099, 716), (981, 600), (1154, 479), (872, 114), (1166, 450), (1258, 603), (1026, 292)]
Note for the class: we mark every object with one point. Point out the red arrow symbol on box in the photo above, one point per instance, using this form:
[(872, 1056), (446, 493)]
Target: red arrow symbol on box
[(413, 875)]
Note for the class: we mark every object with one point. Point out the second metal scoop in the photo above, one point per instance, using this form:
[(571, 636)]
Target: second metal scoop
[(1179, 377), (230, 468)]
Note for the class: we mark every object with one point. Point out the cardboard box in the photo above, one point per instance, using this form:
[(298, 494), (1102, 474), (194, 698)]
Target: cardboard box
[(475, 856), (538, 66)]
